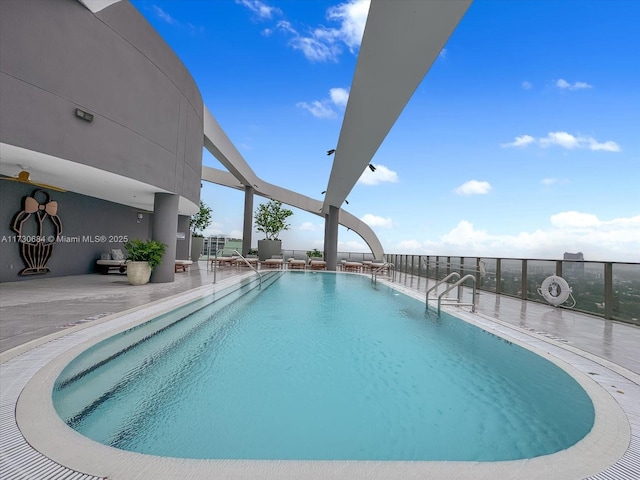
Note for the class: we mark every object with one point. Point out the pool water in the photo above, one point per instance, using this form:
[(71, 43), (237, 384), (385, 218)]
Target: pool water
[(322, 366)]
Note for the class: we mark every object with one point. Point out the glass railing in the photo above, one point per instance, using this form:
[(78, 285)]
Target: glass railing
[(606, 289)]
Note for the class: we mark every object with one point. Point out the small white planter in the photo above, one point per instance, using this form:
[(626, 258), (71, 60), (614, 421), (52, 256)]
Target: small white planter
[(138, 273)]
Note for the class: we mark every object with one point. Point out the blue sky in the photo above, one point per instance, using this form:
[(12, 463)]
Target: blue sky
[(523, 140)]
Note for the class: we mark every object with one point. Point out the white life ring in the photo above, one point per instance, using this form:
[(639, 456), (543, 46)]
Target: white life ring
[(555, 290)]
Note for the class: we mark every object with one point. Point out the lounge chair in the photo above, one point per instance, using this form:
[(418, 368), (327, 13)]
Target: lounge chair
[(250, 259), (317, 264), (295, 264), (182, 265), (275, 261), (353, 266), (113, 261)]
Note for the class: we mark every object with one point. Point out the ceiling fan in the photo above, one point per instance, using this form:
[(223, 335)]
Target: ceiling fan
[(25, 177)]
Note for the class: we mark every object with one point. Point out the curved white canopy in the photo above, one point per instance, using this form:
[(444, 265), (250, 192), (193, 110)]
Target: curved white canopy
[(401, 41)]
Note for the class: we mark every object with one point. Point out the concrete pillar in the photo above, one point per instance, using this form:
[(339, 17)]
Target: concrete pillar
[(248, 220), (331, 238), (164, 229)]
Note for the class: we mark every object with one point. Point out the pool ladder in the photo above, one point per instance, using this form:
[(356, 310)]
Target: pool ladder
[(215, 268), (453, 301), (382, 268), (250, 266)]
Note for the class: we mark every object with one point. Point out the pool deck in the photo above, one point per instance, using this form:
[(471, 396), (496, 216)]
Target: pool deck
[(34, 313)]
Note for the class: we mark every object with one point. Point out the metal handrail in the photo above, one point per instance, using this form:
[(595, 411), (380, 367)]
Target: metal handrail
[(440, 282), (215, 263), (250, 266), (459, 302), (387, 265)]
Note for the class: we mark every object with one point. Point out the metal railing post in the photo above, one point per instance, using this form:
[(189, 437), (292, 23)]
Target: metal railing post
[(524, 287), (608, 290)]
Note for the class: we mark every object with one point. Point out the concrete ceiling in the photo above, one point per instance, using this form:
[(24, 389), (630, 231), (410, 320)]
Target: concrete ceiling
[(401, 41), (83, 179)]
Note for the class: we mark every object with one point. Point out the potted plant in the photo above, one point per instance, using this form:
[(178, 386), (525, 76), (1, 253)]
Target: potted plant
[(270, 219), (315, 253), (197, 224), (143, 256)]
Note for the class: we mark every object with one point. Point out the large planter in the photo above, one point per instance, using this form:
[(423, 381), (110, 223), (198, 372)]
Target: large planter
[(196, 249), (138, 273), (269, 248)]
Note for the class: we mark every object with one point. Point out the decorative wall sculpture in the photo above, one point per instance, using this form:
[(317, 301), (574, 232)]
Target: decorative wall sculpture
[(38, 227)]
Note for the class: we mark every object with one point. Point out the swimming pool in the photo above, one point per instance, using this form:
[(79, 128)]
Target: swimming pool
[(350, 372)]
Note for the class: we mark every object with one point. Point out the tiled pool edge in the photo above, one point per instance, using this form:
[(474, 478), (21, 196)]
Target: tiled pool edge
[(129, 465), (18, 459)]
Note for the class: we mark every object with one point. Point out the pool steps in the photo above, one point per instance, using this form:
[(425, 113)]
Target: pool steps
[(143, 346)]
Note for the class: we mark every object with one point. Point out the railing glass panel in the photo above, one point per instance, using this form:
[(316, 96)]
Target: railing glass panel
[(511, 277), (455, 265), (586, 280), (626, 292), (537, 271), (468, 266), (488, 274), (442, 267)]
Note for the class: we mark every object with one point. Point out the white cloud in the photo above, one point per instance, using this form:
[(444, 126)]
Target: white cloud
[(599, 240), (375, 221), (353, 246), (381, 175), (286, 27), (339, 96), (443, 53), (167, 18), (473, 187), (318, 109), (316, 50), (520, 141), (259, 8), (574, 219), (328, 107), (310, 227), (323, 44), (409, 246), (564, 140), (352, 16), (549, 181), (527, 85), (162, 15), (564, 85), (606, 146)]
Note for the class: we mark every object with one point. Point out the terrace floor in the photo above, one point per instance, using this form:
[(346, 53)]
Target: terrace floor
[(38, 308)]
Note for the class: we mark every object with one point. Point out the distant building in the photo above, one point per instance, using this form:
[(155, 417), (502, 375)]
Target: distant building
[(221, 243), (573, 264)]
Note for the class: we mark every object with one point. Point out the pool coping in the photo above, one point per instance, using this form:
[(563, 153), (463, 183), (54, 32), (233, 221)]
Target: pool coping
[(613, 437)]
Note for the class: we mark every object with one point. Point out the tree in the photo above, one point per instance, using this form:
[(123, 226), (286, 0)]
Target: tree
[(200, 220), (271, 219)]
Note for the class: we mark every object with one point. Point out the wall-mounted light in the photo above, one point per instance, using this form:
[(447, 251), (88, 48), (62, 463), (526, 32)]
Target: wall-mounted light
[(84, 115), (139, 217), (331, 152)]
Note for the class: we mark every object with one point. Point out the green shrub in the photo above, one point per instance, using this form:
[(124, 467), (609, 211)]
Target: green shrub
[(150, 251)]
